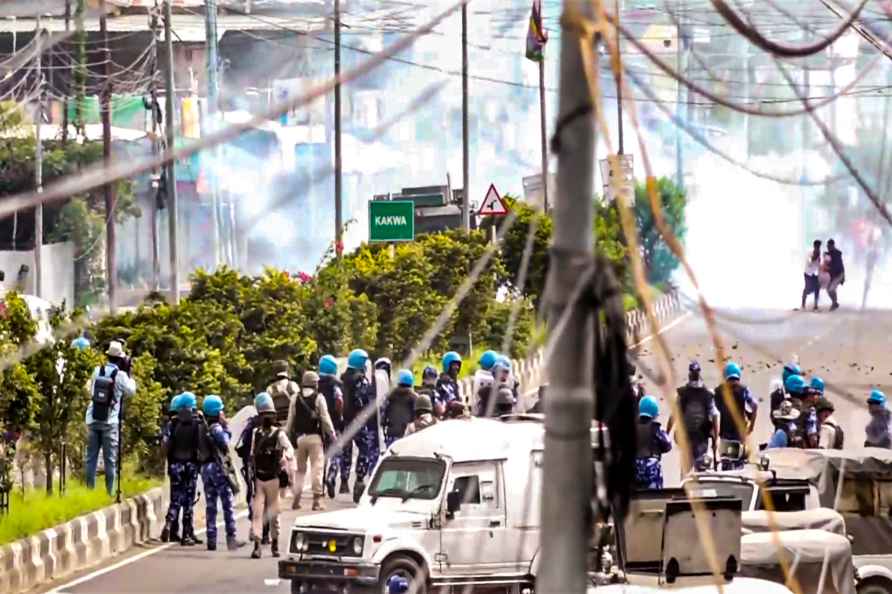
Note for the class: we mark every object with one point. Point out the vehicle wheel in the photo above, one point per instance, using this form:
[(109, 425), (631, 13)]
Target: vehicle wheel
[(875, 585), (405, 568)]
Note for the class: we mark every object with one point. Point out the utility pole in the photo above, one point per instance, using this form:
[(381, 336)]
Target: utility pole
[(108, 189), (680, 60), (171, 166), (619, 83), (153, 94), (567, 461), (210, 28), (543, 130), (38, 167), (68, 85), (339, 239), (466, 189)]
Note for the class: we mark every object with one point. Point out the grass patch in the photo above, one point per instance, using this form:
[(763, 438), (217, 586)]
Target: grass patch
[(35, 510)]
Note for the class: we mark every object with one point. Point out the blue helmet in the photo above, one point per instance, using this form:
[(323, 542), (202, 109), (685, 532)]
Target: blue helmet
[(187, 400), (790, 369), (212, 405), (503, 362), (648, 407), (328, 365), (263, 402), (488, 359), (732, 370), (450, 358), (817, 384), (429, 373), (877, 397), (80, 343), (795, 384), (357, 359), (174, 404), (405, 378)]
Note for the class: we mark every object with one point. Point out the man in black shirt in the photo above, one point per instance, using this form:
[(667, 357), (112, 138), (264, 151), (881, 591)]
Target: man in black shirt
[(837, 272)]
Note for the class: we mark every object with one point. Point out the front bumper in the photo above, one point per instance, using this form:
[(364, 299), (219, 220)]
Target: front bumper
[(334, 572)]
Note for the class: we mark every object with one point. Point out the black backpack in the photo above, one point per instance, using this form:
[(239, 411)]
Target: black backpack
[(103, 394), (839, 436), (694, 404), (267, 456)]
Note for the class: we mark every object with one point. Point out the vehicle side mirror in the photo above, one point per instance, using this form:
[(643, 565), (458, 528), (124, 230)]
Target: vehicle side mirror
[(453, 502)]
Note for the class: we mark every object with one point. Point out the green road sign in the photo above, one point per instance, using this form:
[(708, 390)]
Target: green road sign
[(391, 220)]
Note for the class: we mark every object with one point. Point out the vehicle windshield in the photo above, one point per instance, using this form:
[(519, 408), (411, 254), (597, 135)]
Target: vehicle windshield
[(742, 491), (785, 498), (408, 478)]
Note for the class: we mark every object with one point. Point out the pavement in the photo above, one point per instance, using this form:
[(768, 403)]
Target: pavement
[(850, 349), (158, 568)]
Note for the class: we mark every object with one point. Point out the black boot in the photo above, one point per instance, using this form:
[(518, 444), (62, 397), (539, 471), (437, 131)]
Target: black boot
[(358, 490), (345, 487), (274, 548), (255, 554), (265, 539), (188, 541), (212, 545), (165, 532), (330, 489)]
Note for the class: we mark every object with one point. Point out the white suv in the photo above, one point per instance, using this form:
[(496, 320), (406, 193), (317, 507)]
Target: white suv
[(455, 504)]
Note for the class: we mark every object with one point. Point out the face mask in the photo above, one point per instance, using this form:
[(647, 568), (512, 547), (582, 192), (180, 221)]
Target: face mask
[(307, 392)]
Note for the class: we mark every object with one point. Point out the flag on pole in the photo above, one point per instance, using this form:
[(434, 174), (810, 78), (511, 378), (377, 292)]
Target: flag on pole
[(536, 36)]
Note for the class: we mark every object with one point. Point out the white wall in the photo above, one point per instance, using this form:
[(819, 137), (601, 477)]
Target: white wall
[(58, 272)]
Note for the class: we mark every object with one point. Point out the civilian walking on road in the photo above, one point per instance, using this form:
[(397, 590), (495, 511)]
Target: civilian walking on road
[(878, 430), (812, 269), (837, 272), (271, 453), (110, 385)]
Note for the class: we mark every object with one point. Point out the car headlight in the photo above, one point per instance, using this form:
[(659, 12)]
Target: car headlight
[(301, 542), (357, 545)]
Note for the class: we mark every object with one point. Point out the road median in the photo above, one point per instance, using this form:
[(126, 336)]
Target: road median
[(82, 542)]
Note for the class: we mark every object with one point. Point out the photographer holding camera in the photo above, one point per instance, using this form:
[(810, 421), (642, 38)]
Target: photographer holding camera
[(110, 385)]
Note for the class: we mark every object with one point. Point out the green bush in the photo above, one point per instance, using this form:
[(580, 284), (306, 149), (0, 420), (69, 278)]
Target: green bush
[(36, 510)]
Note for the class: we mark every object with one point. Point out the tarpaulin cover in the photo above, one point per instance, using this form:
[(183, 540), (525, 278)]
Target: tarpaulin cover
[(822, 468), (821, 518), (808, 550)]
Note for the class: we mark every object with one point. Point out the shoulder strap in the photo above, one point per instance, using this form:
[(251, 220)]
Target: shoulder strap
[(102, 371)]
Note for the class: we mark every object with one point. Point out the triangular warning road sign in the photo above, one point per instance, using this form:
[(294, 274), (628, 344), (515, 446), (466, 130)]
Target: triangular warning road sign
[(493, 205)]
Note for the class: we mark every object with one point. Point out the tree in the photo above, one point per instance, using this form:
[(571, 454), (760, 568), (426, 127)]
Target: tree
[(659, 260), (514, 243), (60, 373)]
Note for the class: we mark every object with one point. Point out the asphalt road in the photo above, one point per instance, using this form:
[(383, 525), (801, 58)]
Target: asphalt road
[(157, 568), (850, 350)]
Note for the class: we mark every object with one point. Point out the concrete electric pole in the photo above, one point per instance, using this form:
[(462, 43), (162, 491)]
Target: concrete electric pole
[(567, 463), (169, 120)]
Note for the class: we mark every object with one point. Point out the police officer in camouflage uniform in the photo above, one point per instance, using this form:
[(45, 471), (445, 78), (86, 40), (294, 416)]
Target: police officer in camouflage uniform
[(171, 531), (358, 395), (699, 419), (448, 390), (399, 410), (183, 468), (332, 389), (653, 442), (213, 474)]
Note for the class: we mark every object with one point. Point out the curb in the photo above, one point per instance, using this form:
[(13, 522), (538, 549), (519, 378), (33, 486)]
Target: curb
[(79, 543)]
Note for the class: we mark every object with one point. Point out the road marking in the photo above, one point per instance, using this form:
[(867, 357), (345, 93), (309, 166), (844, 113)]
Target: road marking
[(663, 329), (124, 562), (271, 582)]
